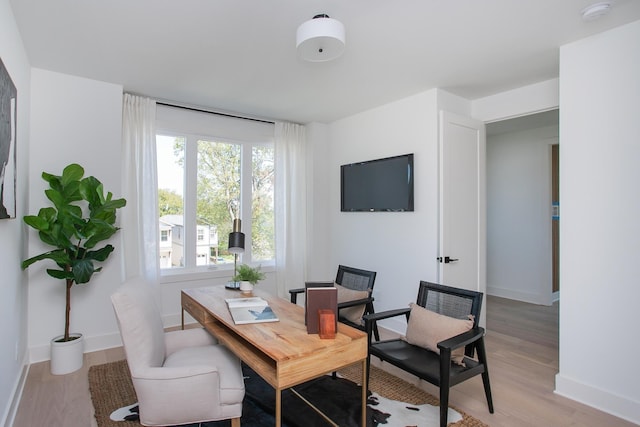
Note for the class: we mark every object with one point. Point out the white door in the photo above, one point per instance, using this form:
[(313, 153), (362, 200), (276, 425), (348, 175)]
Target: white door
[(462, 245)]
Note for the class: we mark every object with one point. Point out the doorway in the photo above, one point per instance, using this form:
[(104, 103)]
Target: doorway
[(520, 228)]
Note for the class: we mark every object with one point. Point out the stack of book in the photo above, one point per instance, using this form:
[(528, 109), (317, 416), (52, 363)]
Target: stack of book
[(319, 300)]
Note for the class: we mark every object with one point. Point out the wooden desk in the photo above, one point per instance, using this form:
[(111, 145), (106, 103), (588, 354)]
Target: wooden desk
[(282, 352)]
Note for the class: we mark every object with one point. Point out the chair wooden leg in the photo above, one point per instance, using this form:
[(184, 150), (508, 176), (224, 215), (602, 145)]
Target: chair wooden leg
[(376, 334), (487, 391), (235, 422), (482, 357), (445, 370), (444, 404)]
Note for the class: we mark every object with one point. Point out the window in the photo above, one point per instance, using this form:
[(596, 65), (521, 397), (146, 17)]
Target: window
[(206, 181)]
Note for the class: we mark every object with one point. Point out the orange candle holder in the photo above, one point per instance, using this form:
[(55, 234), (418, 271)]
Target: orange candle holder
[(327, 324)]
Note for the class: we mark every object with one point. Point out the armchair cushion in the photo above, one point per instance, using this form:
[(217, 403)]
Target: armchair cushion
[(427, 328), (352, 314)]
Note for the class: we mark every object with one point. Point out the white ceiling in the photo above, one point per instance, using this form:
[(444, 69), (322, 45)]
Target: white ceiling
[(239, 55)]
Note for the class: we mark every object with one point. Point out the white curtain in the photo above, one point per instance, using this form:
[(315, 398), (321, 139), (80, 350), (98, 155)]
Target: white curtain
[(290, 206), (139, 222)]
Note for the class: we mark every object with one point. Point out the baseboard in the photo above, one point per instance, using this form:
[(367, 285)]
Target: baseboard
[(616, 405), (519, 295), (102, 342), (11, 410)]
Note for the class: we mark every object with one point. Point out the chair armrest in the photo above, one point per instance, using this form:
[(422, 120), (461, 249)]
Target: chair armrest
[(371, 319), (374, 317), (355, 302), (195, 337), (172, 373), (293, 294), (167, 394), (461, 340)]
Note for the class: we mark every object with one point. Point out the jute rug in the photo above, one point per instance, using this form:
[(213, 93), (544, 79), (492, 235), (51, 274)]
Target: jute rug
[(111, 388)]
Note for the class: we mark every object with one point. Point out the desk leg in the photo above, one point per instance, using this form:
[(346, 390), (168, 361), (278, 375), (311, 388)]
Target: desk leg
[(182, 319), (278, 407), (364, 393)]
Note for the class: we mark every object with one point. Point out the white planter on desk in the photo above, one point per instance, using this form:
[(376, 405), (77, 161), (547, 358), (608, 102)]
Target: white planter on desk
[(66, 356), (246, 287)]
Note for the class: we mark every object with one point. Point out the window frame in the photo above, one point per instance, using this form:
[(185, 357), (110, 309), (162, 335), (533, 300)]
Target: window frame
[(190, 269)]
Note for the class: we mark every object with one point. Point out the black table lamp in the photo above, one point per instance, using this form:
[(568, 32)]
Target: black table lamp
[(236, 243)]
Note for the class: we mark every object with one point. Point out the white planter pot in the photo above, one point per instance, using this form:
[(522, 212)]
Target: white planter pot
[(67, 357), (246, 287)]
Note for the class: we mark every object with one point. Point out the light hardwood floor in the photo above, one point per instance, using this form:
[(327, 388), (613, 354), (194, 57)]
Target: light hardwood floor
[(522, 345)]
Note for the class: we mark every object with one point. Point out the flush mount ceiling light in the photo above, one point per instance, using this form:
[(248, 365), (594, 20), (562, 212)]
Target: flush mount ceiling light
[(596, 10), (320, 39)]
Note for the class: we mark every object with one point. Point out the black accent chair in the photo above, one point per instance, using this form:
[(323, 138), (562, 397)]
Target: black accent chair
[(351, 278), (436, 369)]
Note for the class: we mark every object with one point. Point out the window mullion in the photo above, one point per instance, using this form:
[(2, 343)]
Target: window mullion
[(190, 200), (246, 173)]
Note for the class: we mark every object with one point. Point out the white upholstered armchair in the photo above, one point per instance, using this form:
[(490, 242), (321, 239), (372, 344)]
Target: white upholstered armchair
[(180, 377)]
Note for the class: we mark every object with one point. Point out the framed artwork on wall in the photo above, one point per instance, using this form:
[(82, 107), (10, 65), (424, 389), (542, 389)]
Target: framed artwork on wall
[(8, 99)]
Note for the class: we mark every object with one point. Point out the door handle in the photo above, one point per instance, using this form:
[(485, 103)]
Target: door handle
[(446, 259)]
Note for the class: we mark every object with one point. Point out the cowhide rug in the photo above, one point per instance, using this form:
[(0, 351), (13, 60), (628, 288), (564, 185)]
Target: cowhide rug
[(338, 398)]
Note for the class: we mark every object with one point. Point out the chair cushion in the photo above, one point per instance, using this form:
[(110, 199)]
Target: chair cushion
[(427, 328), (352, 314)]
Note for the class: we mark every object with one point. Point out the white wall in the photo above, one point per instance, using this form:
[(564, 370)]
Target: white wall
[(538, 97), (13, 292), (79, 120), (73, 120), (519, 264), (600, 232), (518, 102), (400, 246)]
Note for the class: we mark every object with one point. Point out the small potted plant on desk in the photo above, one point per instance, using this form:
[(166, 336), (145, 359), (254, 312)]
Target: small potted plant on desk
[(248, 277)]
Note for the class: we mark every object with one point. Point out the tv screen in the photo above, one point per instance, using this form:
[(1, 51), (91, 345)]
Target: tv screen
[(382, 185)]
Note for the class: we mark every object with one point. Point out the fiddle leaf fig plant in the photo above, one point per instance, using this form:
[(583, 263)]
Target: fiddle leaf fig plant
[(81, 217)]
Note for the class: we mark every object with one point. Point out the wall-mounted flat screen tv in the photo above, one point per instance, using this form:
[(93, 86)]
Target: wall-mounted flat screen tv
[(382, 185)]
